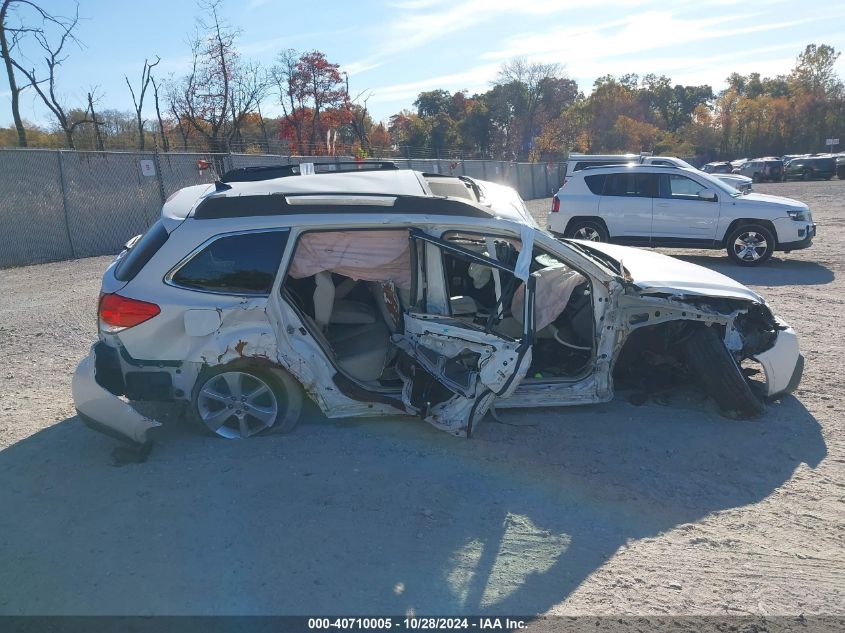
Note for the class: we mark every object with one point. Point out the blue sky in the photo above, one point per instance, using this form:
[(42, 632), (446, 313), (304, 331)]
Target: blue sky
[(397, 48)]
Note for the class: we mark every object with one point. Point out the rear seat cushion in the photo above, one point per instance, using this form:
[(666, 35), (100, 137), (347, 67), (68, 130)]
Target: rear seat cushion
[(361, 350), (347, 312)]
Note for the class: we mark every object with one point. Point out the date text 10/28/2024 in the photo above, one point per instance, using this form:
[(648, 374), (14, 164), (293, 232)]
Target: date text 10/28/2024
[(417, 623)]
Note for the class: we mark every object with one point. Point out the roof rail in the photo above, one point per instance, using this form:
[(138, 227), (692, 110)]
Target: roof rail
[(216, 207), (268, 172), (628, 165)]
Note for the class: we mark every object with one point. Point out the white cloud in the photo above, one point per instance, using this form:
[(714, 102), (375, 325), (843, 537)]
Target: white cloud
[(473, 80), (623, 38), (420, 22), (361, 66)]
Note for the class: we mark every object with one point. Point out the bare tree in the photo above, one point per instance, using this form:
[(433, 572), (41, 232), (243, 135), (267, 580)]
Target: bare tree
[(54, 56), (165, 144), (184, 133), (203, 97), (248, 88), (5, 51), (96, 123), (263, 125), (11, 37), (146, 77), (361, 121)]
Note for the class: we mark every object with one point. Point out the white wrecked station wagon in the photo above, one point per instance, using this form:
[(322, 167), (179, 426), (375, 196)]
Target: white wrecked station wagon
[(377, 291)]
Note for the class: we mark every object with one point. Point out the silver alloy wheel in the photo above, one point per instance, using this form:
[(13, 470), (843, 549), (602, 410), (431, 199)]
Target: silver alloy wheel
[(750, 246), (587, 233), (235, 404)]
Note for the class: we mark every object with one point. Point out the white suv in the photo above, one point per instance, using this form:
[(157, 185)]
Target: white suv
[(389, 291), (655, 205)]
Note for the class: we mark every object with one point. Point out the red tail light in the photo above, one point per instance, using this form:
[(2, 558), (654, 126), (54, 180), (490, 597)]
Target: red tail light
[(555, 204), (121, 312)]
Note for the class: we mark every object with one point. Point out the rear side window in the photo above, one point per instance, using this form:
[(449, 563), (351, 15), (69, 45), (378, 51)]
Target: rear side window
[(596, 183), (243, 263), (141, 252), (630, 184)]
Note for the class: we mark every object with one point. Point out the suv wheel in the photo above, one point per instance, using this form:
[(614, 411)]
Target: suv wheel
[(750, 244), (587, 230), (244, 400)]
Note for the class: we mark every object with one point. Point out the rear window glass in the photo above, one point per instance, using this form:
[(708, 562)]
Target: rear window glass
[(141, 252), (596, 183), (245, 263)]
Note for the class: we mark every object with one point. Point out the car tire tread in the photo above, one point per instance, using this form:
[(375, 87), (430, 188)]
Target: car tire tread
[(720, 375)]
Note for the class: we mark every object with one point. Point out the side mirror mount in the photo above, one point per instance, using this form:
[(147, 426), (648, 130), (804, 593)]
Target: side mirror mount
[(708, 194)]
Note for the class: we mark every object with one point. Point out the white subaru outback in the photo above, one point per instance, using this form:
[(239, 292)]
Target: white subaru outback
[(386, 291), (668, 206)]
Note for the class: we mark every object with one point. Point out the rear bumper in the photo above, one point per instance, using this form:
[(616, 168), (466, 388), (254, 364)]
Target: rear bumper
[(783, 363), (102, 410)]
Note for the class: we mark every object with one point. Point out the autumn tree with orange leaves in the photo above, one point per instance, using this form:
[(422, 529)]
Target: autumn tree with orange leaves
[(314, 100)]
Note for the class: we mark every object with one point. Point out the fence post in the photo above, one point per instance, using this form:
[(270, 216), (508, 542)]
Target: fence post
[(159, 176), (546, 172), (533, 181), (64, 203)]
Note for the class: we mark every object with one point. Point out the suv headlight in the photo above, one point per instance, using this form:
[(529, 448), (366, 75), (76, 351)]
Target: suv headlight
[(797, 214)]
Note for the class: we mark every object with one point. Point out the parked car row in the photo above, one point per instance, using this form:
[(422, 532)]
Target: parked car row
[(783, 168)]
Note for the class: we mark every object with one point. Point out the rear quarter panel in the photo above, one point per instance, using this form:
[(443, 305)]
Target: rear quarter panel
[(575, 200)]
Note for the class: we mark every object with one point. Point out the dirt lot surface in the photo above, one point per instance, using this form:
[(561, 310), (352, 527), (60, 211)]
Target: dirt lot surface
[(665, 508)]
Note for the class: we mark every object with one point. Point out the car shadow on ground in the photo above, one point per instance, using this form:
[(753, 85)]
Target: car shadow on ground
[(373, 516), (775, 272)]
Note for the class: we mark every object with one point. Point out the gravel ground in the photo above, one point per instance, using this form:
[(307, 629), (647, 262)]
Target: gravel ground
[(665, 508)]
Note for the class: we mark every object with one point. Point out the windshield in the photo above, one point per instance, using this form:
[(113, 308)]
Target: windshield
[(720, 184)]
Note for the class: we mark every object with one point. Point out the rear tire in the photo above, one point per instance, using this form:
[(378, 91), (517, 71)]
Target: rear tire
[(239, 400), (587, 230), (750, 244), (720, 375)]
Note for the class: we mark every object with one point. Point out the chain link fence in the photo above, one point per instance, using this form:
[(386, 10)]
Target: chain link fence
[(65, 204)]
